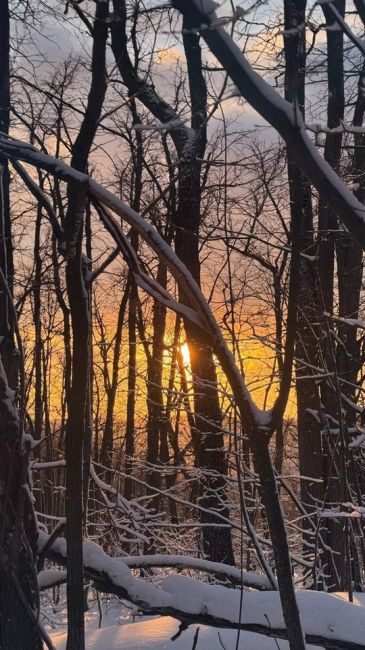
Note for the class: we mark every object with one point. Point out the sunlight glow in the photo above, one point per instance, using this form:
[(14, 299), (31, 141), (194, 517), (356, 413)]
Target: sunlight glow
[(185, 354)]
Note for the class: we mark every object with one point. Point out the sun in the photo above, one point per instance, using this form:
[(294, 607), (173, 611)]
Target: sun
[(185, 354)]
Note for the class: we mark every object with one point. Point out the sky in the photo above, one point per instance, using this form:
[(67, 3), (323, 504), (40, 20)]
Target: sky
[(59, 38)]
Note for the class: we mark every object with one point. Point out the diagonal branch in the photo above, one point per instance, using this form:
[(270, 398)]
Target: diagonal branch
[(281, 114)]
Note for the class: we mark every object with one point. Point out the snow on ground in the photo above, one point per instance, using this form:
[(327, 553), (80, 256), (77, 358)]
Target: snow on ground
[(322, 614), (358, 598), (156, 633), (118, 632)]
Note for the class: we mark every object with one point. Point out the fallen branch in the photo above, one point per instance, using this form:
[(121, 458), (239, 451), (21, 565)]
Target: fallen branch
[(236, 576), (49, 578), (327, 621)]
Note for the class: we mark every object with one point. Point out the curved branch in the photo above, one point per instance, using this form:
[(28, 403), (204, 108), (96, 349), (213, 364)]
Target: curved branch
[(245, 578)]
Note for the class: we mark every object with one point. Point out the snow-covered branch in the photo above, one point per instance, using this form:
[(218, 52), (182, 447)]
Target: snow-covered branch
[(327, 621), (246, 578)]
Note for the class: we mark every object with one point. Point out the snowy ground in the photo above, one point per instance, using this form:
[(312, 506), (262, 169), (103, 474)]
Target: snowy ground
[(325, 617), (118, 631), (155, 634)]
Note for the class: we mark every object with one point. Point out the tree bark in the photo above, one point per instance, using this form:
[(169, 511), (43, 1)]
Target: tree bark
[(79, 308), (308, 425), (107, 443), (7, 348), (337, 569), (19, 597), (131, 398)]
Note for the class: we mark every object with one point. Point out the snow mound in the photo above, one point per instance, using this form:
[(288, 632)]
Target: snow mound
[(156, 633)]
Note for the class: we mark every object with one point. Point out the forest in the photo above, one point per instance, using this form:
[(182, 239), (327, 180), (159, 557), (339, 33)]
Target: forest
[(182, 324)]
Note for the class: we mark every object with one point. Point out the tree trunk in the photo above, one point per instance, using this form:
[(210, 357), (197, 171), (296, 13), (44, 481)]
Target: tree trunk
[(155, 404), (75, 430), (131, 398), (107, 443), (217, 543), (79, 307), (38, 397), (7, 349), (337, 570), (308, 422), (88, 440), (19, 597), (270, 499)]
